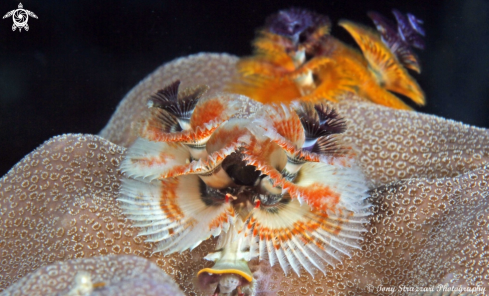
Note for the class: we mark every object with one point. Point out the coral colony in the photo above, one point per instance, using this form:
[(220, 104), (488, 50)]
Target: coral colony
[(264, 171)]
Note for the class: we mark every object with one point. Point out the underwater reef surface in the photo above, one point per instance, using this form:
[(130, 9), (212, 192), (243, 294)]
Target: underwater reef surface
[(429, 224)]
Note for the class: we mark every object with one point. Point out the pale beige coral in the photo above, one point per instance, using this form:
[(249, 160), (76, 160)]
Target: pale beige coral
[(102, 276), (429, 226), (396, 145), (59, 203)]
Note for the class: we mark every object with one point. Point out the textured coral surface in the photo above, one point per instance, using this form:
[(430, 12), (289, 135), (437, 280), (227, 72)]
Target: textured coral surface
[(108, 275), (430, 199)]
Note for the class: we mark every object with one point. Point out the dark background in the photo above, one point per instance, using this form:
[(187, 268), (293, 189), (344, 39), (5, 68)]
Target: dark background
[(70, 70)]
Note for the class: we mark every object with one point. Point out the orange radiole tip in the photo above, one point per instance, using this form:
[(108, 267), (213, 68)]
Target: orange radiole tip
[(383, 63)]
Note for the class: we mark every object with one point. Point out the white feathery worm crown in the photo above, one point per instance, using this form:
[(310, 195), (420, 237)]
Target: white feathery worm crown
[(271, 181)]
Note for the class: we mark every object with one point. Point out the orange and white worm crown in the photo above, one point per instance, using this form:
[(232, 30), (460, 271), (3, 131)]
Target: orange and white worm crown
[(263, 169), (273, 172)]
